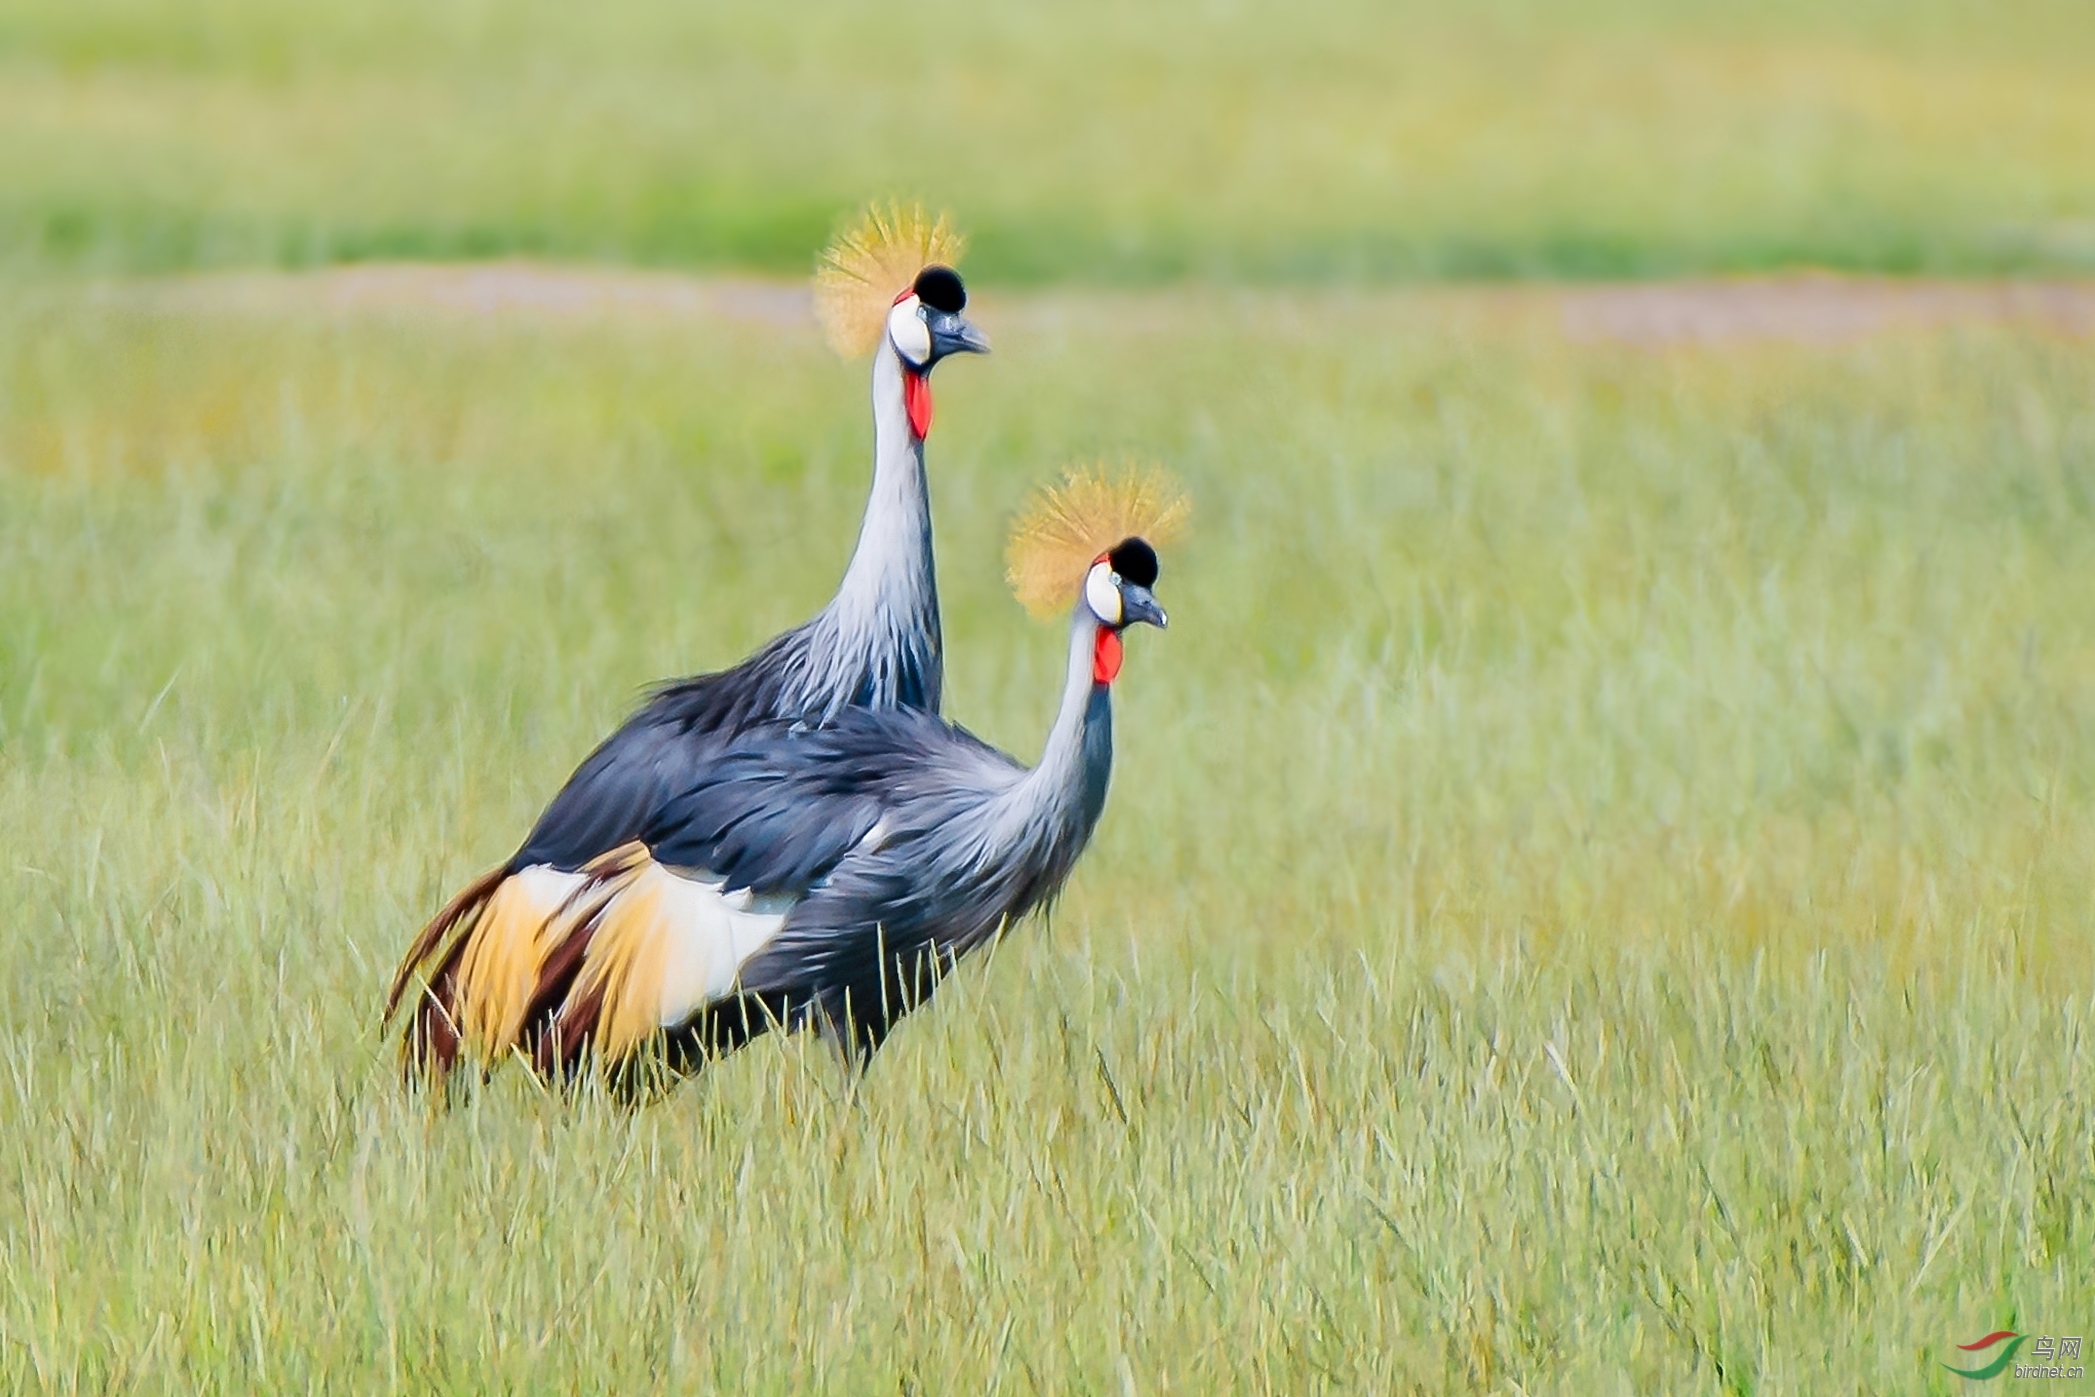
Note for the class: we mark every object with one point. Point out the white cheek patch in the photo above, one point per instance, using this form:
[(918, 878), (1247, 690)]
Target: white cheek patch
[(908, 332), (1102, 595)]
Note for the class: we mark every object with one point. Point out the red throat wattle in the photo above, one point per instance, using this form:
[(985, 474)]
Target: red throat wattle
[(916, 396), (1105, 656)]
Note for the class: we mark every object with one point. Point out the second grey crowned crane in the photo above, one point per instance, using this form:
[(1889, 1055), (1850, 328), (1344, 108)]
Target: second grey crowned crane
[(826, 877), (885, 287)]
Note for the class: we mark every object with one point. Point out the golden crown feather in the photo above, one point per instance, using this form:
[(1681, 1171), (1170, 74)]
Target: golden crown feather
[(872, 262), (1064, 528)]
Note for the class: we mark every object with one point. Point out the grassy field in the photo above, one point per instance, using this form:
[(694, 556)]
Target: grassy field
[(1086, 142), (1595, 897)]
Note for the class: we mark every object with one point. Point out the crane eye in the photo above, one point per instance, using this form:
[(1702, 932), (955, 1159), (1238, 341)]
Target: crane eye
[(1102, 594)]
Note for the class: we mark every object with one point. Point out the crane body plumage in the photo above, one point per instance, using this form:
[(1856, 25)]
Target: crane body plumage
[(875, 646), (822, 876), (895, 843)]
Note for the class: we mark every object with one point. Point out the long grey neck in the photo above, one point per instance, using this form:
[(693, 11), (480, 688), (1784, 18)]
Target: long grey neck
[(887, 604), (1068, 787)]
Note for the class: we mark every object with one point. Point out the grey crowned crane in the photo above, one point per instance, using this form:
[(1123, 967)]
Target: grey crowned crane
[(884, 286), (820, 877)]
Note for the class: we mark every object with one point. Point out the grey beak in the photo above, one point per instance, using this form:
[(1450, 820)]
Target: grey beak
[(1136, 604), (951, 334)]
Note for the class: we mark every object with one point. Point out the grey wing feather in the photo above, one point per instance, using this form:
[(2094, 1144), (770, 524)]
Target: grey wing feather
[(872, 942), (662, 755), (780, 805), (614, 795), (619, 790)]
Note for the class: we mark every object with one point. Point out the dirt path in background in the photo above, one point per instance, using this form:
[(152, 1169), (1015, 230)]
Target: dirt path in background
[(1815, 309), (1806, 309)]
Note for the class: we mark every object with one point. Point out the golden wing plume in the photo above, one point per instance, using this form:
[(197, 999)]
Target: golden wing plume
[(872, 262), (1065, 527)]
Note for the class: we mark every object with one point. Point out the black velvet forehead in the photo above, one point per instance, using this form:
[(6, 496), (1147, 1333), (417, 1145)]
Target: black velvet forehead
[(940, 289), (1135, 561)]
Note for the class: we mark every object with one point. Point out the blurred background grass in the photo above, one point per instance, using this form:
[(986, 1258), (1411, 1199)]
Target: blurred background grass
[(1089, 141), (1594, 895)]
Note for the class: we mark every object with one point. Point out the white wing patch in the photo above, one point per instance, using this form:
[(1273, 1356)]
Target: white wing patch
[(710, 935), (663, 945), (657, 945), (545, 887)]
